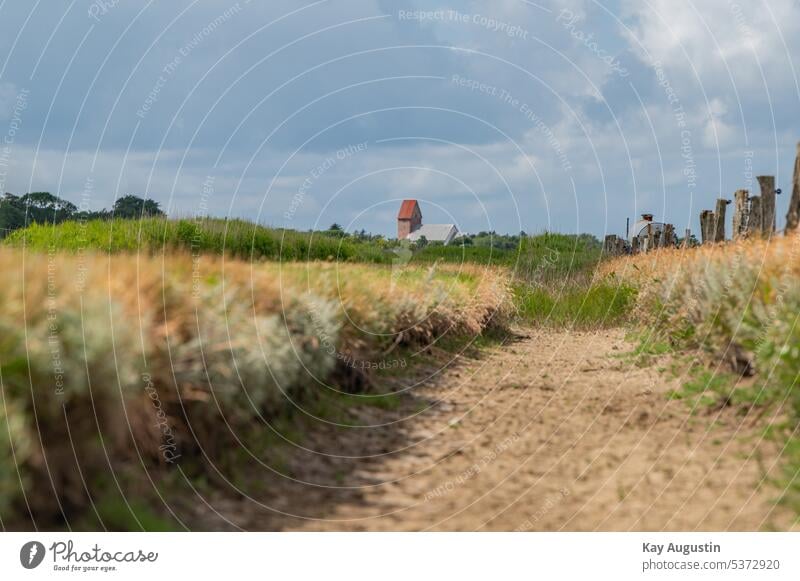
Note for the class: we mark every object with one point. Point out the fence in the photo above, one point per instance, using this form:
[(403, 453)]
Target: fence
[(753, 216)]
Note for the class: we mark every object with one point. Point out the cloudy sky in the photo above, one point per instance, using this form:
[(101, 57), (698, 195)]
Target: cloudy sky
[(502, 114)]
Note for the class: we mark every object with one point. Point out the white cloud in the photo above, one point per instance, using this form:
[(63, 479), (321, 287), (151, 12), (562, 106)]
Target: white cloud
[(717, 133), (719, 42)]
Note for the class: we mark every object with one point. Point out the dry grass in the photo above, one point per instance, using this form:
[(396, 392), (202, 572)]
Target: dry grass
[(736, 300), (108, 357), (740, 304)]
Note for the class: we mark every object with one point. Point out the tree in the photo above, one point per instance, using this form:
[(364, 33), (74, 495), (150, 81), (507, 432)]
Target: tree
[(336, 230), (35, 207), (47, 201), (131, 206), (45, 208), (12, 214)]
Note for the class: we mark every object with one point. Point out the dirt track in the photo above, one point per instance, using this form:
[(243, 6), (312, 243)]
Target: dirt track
[(553, 431)]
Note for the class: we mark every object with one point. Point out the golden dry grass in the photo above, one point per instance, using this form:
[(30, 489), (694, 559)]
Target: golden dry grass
[(740, 304), (106, 357), (738, 299)]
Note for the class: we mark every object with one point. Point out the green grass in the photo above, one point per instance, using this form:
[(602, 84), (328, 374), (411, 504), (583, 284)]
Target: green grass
[(600, 304), (555, 287), (235, 238), (114, 513), (789, 483), (552, 257), (542, 257), (706, 389)]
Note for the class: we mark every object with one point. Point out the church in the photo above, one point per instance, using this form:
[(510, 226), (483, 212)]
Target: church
[(410, 226)]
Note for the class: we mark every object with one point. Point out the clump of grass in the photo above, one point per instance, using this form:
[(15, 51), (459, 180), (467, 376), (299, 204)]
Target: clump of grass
[(552, 258), (739, 303), (556, 283), (601, 304), (61, 379), (708, 388)]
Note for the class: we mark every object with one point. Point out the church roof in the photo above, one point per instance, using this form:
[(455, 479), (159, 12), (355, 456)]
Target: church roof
[(434, 232), (407, 209)]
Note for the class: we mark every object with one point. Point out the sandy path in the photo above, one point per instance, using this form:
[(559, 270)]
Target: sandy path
[(554, 431)]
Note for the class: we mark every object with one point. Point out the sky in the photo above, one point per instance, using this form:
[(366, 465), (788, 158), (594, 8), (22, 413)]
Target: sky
[(501, 115)]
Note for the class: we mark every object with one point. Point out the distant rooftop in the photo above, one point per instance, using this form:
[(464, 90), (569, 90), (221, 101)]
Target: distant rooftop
[(435, 232), (406, 209)]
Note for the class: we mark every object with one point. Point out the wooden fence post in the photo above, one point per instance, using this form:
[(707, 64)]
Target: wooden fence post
[(741, 214), (669, 235), (719, 222), (651, 238), (610, 244), (707, 226), (754, 223), (793, 215), (767, 184)]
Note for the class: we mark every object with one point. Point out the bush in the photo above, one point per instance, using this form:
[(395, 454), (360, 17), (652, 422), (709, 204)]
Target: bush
[(171, 358), (16, 445), (62, 380)]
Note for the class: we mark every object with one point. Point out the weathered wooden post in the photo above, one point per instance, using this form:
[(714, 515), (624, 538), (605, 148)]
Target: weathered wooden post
[(707, 226), (767, 184), (651, 238), (793, 215), (608, 243), (754, 223), (613, 245), (741, 214), (669, 235), (719, 220)]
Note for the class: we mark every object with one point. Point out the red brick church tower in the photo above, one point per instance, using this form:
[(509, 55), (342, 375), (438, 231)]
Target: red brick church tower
[(408, 219)]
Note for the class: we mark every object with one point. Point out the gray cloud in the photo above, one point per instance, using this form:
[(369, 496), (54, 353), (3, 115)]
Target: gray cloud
[(504, 114)]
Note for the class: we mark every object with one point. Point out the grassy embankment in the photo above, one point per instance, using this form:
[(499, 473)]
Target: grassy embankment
[(248, 241), (163, 360), (738, 304), (554, 273)]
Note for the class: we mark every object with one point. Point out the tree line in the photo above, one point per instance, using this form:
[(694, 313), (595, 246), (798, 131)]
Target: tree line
[(45, 208)]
